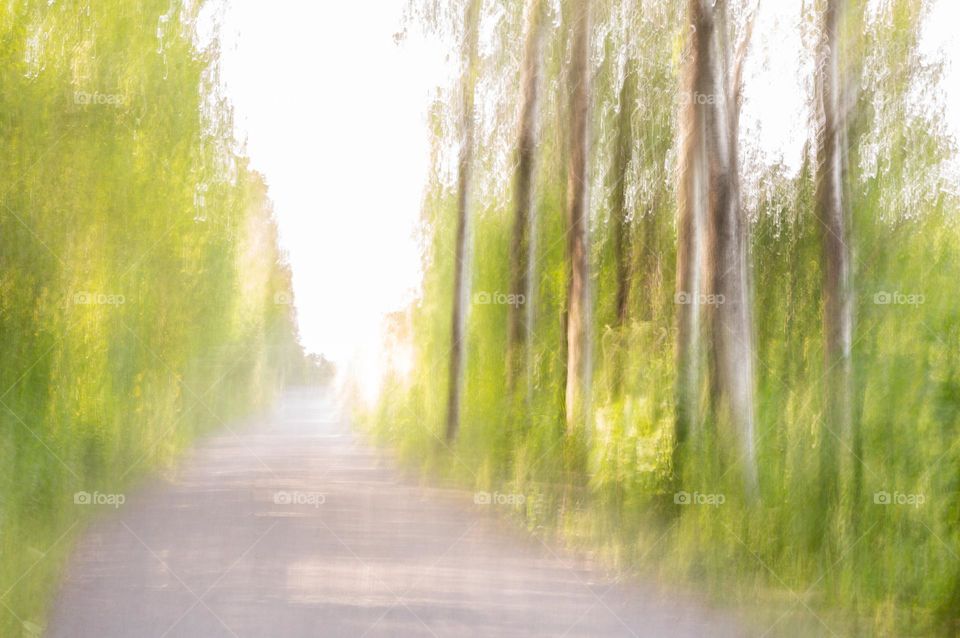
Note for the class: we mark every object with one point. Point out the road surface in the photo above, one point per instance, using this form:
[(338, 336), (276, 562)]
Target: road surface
[(288, 526)]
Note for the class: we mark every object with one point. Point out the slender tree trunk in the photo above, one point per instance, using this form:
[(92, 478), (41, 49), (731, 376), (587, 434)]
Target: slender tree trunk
[(834, 222), (726, 277), (618, 216), (691, 230), (618, 212), (520, 256), (461, 268), (577, 347), (728, 252)]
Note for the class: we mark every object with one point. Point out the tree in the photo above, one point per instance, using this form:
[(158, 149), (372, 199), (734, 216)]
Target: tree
[(520, 254), (712, 258), (464, 166), (618, 210), (833, 214), (691, 223), (577, 293)]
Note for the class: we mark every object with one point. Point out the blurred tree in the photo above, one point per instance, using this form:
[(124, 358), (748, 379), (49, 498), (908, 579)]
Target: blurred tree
[(520, 256), (471, 20), (832, 212), (577, 220), (714, 232), (619, 219)]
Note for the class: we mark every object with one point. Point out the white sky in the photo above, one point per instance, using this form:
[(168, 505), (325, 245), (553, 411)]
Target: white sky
[(334, 115), (333, 112)]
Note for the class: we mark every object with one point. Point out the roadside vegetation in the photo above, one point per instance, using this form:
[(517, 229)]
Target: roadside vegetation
[(748, 381), (143, 298)]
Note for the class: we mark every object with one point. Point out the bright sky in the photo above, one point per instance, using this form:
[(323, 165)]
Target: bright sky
[(333, 111)]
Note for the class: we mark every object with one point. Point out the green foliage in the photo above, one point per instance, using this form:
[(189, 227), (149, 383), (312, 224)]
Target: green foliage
[(143, 299), (878, 569)]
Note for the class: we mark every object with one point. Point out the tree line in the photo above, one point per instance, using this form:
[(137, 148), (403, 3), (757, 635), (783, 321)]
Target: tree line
[(681, 318), (143, 296)]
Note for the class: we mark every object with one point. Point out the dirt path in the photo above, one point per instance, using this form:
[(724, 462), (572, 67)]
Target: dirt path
[(291, 528)]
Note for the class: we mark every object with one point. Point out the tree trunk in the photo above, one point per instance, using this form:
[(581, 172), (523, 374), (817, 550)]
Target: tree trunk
[(618, 211), (691, 230), (461, 268), (577, 364), (520, 256), (714, 188), (834, 222), (618, 217)]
